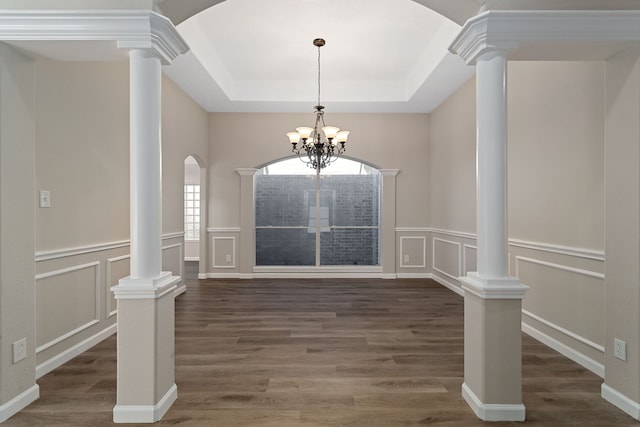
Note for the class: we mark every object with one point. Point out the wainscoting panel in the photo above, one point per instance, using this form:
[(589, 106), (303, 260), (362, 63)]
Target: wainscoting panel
[(446, 258), (564, 306), (224, 252), (412, 247), (413, 252), (75, 307), (56, 319), (469, 258), (117, 268)]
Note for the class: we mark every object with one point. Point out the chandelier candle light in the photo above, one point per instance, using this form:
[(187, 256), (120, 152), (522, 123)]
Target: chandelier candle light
[(320, 152)]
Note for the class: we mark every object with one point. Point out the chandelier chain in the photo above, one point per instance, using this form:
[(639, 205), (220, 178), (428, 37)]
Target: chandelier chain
[(318, 75)]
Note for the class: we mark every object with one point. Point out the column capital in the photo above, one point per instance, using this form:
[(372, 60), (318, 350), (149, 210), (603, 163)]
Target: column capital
[(478, 38), (389, 172), (246, 171), (129, 29)]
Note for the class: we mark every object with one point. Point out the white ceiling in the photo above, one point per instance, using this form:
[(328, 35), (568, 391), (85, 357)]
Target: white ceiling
[(380, 56)]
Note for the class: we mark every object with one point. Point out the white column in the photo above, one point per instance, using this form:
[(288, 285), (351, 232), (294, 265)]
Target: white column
[(145, 379), (146, 164), (493, 300), (491, 152)]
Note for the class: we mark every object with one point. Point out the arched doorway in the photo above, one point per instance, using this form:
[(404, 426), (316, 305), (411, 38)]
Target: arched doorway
[(194, 214)]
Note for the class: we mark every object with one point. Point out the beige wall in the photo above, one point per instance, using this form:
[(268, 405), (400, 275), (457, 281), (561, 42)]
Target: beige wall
[(556, 150), (17, 204), (623, 222), (82, 157), (453, 156), (387, 141), (393, 141), (82, 153), (556, 198)]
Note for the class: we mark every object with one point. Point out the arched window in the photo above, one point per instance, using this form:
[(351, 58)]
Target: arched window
[(309, 219)]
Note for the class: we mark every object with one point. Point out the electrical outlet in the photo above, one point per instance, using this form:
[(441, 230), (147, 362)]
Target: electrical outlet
[(228, 258), (620, 349), (19, 350), (406, 259)]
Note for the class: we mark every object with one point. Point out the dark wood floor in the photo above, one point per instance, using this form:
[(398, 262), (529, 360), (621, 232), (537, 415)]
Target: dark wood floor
[(320, 353)]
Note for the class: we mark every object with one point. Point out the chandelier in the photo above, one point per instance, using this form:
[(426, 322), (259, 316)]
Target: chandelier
[(318, 150)]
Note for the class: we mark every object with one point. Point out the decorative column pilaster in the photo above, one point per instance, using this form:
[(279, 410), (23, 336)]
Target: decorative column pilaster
[(493, 300), (388, 225), (146, 332), (247, 222)]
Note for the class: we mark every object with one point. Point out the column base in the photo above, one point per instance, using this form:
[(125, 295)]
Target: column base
[(130, 288), (493, 287), (146, 386), (145, 413), (491, 411), (493, 347)]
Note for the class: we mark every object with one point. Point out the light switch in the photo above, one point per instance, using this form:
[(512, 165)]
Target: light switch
[(45, 199)]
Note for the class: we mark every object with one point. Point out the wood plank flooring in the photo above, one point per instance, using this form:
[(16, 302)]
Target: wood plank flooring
[(320, 353)]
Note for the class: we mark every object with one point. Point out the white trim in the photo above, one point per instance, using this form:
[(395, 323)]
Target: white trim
[(568, 352), (246, 171), (564, 331), (223, 230), (96, 286), (19, 402), (493, 411), (130, 288), (145, 413), (433, 257), (389, 276), (75, 350), (202, 276), (493, 288), (621, 401), (465, 269), (179, 290), (110, 310), (82, 250), (176, 235), (559, 249), (455, 288), (581, 271), (180, 258), (131, 29), (233, 252), (389, 172), (63, 337), (592, 254), (410, 276), (413, 230), (192, 258), (424, 251), (505, 30), (454, 233)]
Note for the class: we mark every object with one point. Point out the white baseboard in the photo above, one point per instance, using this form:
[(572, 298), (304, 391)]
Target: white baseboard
[(202, 276), (455, 288), (19, 402), (414, 276), (620, 401), (493, 411), (145, 413), (62, 358), (192, 258), (180, 290), (568, 352)]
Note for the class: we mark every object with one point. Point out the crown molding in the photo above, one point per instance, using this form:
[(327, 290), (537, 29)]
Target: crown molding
[(540, 34), (128, 29)]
